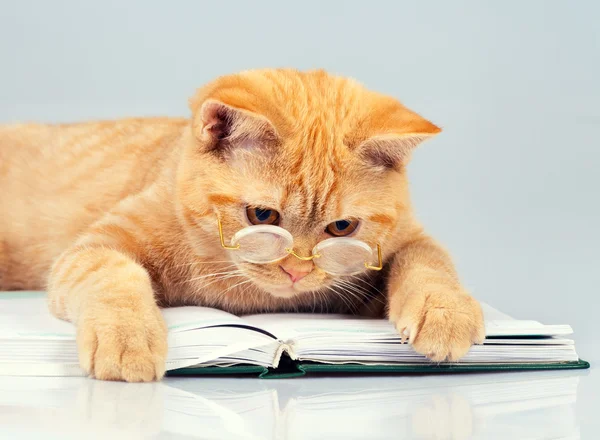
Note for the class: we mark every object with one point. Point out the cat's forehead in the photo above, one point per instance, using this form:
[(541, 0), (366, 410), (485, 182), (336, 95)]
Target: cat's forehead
[(327, 109), (310, 197)]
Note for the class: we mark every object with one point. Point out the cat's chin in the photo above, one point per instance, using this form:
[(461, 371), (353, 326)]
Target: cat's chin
[(284, 291)]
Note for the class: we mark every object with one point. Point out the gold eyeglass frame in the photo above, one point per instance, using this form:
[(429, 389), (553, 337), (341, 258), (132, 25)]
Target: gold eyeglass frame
[(291, 251)]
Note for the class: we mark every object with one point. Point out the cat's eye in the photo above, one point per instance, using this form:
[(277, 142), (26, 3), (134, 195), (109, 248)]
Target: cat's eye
[(262, 216), (342, 228)]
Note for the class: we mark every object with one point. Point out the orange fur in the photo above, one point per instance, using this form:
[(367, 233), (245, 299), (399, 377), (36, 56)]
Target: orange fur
[(118, 218)]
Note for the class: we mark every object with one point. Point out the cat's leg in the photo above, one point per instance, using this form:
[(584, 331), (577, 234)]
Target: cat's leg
[(100, 287), (429, 306)]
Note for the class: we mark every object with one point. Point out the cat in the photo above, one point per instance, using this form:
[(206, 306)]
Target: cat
[(116, 219)]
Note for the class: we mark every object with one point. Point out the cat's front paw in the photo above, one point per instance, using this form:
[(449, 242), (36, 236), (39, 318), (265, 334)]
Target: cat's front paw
[(441, 325), (129, 345)]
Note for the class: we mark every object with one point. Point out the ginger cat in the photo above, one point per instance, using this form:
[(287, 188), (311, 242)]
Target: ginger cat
[(116, 219)]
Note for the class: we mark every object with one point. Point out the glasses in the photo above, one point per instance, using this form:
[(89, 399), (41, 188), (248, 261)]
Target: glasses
[(263, 244)]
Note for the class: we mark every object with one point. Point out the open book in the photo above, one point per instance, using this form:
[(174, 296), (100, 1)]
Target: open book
[(204, 340)]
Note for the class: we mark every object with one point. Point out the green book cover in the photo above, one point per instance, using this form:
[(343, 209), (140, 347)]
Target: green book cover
[(299, 369)]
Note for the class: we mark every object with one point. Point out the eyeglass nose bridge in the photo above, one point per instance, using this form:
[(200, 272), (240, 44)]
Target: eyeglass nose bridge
[(300, 257)]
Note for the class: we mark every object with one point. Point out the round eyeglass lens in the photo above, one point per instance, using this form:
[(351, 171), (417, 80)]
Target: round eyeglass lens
[(262, 244), (342, 256)]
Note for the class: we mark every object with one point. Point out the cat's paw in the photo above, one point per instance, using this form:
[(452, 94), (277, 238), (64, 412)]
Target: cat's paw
[(129, 345), (441, 325)]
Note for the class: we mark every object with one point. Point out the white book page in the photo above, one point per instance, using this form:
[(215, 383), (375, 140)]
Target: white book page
[(292, 325), (179, 319), (29, 333), (26, 315), (492, 314), (500, 324), (199, 335), (287, 326)]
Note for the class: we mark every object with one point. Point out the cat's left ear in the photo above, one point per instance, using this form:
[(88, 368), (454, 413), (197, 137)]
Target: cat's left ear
[(393, 137)]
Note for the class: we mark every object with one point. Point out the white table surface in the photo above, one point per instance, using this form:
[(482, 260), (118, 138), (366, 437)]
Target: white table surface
[(525, 405)]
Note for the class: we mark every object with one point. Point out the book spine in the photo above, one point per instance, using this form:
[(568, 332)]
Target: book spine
[(286, 347)]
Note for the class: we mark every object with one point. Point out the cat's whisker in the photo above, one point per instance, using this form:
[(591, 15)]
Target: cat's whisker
[(191, 280), (222, 278), (354, 291), (340, 295), (221, 295), (366, 294), (240, 296), (372, 298), (193, 263), (352, 304), (246, 289), (198, 290), (217, 275), (323, 299), (369, 285), (236, 285), (231, 263)]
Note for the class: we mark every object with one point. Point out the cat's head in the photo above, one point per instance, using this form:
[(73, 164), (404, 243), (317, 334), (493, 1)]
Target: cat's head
[(316, 154)]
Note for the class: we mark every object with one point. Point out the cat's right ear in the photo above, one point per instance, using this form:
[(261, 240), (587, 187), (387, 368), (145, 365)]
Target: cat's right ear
[(221, 128)]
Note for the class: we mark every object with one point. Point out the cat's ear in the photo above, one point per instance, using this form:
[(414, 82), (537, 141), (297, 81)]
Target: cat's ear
[(397, 134), (390, 151), (221, 128)]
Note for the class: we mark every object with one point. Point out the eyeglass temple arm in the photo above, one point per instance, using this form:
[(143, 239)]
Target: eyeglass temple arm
[(223, 245), (379, 258)]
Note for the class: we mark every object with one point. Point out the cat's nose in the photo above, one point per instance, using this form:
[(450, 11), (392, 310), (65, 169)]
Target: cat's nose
[(295, 274)]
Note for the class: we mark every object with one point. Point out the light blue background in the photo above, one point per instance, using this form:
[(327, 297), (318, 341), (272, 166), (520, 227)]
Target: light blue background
[(510, 186)]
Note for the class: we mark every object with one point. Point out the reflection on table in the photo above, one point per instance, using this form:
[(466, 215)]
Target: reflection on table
[(536, 405)]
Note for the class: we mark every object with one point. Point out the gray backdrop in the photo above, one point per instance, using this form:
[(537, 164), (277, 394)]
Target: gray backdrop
[(510, 186)]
